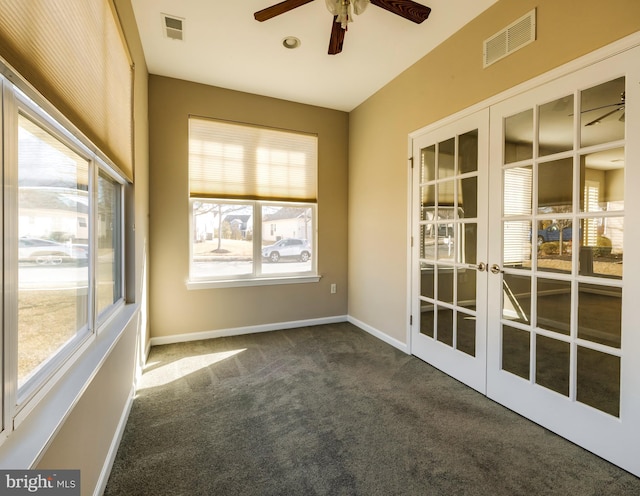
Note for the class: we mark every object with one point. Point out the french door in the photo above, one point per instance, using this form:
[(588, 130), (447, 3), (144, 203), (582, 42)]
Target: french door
[(556, 335), (450, 257)]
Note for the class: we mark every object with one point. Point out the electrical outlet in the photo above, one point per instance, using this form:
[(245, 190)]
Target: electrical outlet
[(333, 289)]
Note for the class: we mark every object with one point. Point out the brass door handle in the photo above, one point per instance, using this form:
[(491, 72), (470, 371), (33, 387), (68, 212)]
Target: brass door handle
[(495, 269)]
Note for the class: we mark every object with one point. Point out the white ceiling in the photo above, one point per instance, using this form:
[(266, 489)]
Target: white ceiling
[(225, 46)]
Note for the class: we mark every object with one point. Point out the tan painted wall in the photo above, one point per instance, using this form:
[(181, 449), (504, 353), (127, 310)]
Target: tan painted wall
[(176, 310), (449, 79), (84, 440)]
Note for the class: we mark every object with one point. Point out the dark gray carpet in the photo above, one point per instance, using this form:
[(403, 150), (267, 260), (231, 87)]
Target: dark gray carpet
[(330, 410)]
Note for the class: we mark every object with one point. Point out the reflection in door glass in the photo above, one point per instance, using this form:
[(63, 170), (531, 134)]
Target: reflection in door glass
[(598, 380), (427, 272), (427, 320), (428, 170), (428, 241), (469, 242), (518, 137), (516, 298), (555, 245), (555, 186), (602, 113), (602, 192), (555, 126), (552, 364), (466, 333), (517, 193), (427, 201), (468, 152), (601, 180), (516, 242), (446, 158), (445, 284), (466, 288), (446, 235), (601, 251), (445, 196), (600, 314), (516, 351), (554, 305), (468, 197), (445, 326)]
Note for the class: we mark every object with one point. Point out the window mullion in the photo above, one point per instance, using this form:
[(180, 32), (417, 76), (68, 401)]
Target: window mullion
[(256, 237), (93, 246), (10, 258)]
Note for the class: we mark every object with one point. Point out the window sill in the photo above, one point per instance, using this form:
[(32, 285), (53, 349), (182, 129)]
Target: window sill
[(23, 446), (263, 281)]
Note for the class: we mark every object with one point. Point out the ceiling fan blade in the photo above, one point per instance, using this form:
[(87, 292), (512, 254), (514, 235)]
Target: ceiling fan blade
[(279, 8), (337, 37), (601, 118), (619, 104), (408, 9)]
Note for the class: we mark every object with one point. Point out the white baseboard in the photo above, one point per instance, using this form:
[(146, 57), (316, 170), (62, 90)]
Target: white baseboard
[(237, 331), (113, 449), (404, 347)]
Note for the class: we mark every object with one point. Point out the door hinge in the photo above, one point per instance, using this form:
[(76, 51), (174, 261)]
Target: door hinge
[(411, 241), (410, 319), (411, 161)]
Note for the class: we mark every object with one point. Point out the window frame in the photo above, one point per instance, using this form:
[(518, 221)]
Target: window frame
[(206, 184), (256, 277), (37, 398)]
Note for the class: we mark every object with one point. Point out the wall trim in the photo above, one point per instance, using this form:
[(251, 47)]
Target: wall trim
[(237, 331), (115, 444), (404, 347)]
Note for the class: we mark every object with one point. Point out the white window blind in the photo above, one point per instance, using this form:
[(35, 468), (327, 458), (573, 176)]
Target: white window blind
[(230, 160), (74, 54)]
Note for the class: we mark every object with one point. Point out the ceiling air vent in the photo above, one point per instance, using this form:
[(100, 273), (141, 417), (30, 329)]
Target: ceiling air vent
[(172, 27), (518, 34)]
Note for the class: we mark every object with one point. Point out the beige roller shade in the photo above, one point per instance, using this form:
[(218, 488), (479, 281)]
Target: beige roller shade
[(229, 160), (73, 52)]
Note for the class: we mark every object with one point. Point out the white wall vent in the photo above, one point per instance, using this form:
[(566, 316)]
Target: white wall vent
[(173, 27), (515, 36)]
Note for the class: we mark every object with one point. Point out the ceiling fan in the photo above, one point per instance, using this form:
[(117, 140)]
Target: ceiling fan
[(617, 107), (342, 14)]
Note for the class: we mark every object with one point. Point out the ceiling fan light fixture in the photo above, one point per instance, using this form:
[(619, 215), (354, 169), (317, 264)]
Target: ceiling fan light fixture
[(344, 9), (291, 42)]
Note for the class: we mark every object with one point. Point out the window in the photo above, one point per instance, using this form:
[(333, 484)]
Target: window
[(109, 243), (63, 255), (53, 273), (253, 203)]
